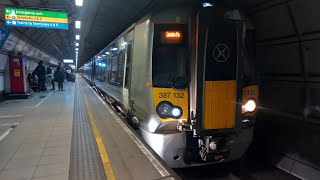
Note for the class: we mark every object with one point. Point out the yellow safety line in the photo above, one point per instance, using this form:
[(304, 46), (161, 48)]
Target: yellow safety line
[(102, 150)]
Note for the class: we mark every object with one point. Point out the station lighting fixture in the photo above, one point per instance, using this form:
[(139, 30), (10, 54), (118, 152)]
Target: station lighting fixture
[(77, 37), (79, 2), (107, 53), (77, 49), (78, 24), (114, 49), (68, 60), (103, 55), (77, 44), (206, 4)]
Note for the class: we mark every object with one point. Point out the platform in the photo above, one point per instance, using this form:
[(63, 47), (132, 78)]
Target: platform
[(72, 134)]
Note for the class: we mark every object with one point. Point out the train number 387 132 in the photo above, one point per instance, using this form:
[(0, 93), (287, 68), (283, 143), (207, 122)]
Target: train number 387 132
[(171, 95)]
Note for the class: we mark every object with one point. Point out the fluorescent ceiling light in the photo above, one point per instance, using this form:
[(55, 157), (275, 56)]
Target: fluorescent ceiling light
[(206, 4), (107, 53), (68, 60), (78, 24), (114, 49), (103, 55), (77, 37), (77, 44), (79, 2), (77, 49)]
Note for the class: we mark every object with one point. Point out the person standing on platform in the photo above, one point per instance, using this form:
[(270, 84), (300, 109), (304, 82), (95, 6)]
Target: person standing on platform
[(51, 73), (40, 71), (59, 77)]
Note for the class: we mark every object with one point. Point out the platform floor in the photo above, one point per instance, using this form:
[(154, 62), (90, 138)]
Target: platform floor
[(39, 146), (71, 134)]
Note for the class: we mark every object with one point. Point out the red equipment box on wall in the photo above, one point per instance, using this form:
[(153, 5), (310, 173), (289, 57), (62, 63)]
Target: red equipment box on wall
[(17, 75), (16, 72)]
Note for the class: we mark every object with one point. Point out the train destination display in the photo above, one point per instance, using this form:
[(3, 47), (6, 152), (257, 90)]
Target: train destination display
[(36, 18)]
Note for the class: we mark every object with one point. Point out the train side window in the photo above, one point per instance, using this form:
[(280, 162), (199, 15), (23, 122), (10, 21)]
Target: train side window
[(128, 65), (108, 73), (103, 70), (114, 68), (97, 70), (120, 67)]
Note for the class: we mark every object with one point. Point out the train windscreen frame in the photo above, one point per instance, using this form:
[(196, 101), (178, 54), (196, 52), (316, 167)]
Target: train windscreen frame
[(170, 56)]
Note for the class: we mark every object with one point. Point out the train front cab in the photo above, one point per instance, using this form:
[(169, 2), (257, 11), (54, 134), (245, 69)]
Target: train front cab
[(217, 116), (187, 89), (223, 103), (218, 122)]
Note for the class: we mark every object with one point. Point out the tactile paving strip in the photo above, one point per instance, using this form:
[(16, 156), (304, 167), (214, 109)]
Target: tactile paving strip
[(85, 162)]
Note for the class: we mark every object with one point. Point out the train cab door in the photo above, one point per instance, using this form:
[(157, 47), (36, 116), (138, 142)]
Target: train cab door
[(127, 69), (219, 49)]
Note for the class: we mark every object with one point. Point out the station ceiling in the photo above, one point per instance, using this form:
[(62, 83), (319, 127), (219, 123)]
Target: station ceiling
[(101, 22)]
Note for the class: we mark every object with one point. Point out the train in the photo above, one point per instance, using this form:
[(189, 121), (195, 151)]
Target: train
[(186, 79)]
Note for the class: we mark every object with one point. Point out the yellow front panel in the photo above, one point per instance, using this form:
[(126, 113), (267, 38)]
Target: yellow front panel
[(219, 104), (178, 97)]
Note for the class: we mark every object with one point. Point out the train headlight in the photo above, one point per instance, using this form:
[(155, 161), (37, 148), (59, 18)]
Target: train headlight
[(213, 145), (166, 110), (176, 112), (163, 109), (250, 106)]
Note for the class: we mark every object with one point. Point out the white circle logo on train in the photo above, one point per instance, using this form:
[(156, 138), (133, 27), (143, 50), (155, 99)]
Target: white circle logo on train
[(221, 53)]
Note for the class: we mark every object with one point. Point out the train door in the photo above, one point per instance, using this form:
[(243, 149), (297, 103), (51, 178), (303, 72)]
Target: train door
[(93, 71), (127, 69), (219, 53)]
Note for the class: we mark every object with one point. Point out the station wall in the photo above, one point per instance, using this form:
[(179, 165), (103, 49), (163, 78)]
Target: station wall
[(288, 51), (3, 61)]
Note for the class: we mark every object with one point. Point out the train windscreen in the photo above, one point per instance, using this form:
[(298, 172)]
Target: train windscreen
[(170, 56)]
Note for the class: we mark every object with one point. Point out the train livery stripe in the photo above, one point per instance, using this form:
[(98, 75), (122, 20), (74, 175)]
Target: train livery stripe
[(219, 103), (103, 153)]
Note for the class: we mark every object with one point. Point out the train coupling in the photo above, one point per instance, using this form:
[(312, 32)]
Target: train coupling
[(189, 125), (212, 149), (186, 126)]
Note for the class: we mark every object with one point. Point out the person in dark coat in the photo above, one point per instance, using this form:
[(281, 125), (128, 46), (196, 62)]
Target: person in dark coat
[(59, 77), (40, 71)]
